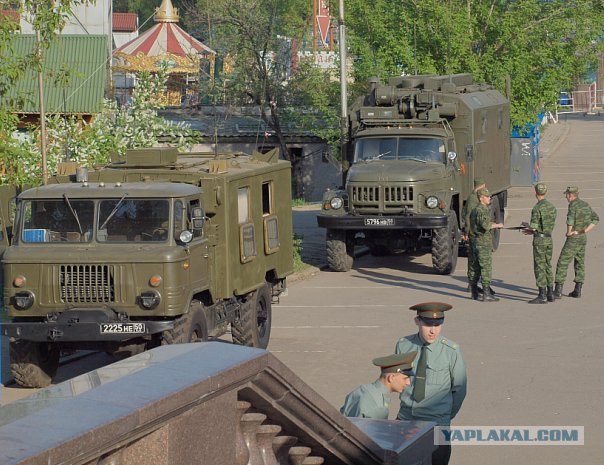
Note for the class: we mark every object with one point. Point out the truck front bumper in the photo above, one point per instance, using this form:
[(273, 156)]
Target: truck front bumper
[(83, 325), (361, 222)]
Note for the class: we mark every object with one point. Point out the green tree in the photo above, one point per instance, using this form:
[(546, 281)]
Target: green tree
[(541, 46), (110, 134)]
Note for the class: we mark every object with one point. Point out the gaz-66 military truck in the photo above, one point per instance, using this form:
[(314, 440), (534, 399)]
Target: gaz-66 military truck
[(158, 248), (414, 148)]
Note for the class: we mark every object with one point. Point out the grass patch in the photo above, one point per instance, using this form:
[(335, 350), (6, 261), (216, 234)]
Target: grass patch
[(299, 265), (298, 202)]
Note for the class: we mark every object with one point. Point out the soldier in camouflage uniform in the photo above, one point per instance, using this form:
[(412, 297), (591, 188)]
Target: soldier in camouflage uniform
[(543, 219), (481, 242), (579, 221), (469, 206)]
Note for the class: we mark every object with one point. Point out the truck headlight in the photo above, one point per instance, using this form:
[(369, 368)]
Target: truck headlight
[(336, 203), (23, 300), (150, 299), (432, 202)]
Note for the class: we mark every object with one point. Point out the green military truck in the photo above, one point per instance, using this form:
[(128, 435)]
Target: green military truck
[(414, 148), (157, 248)]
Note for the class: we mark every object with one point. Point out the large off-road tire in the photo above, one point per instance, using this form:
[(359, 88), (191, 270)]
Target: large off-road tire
[(496, 217), (33, 364), (445, 246), (253, 326), (190, 327), (340, 250)]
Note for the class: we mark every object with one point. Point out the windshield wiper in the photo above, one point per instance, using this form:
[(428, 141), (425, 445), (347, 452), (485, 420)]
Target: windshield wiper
[(380, 155), (73, 212), (113, 212)]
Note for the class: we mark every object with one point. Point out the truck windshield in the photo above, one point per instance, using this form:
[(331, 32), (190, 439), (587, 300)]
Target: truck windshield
[(133, 220), (399, 148), (57, 220)]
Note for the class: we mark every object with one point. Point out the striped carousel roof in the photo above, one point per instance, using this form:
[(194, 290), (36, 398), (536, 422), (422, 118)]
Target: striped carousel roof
[(165, 42), (165, 38)]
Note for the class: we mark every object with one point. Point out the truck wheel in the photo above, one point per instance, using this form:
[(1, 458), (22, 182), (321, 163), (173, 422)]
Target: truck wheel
[(496, 217), (33, 364), (253, 327), (340, 251), (191, 327), (445, 246)]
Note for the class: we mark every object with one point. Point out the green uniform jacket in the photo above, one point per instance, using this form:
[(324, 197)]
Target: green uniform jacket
[(581, 215), (367, 401), (543, 217), (446, 381), (471, 203), (480, 225)]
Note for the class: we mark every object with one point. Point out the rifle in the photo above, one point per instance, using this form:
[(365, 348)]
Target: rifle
[(517, 228)]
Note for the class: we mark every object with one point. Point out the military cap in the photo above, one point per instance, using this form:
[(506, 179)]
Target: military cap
[(396, 363), (484, 191), (571, 190), (431, 313), (479, 182), (540, 188)]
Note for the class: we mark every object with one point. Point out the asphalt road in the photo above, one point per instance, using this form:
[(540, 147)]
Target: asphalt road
[(527, 364)]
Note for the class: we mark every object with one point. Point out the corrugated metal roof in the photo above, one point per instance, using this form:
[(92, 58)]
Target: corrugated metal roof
[(85, 60), (124, 22)]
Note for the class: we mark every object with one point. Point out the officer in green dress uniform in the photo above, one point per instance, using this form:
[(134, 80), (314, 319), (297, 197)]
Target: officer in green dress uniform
[(372, 400), (543, 219), (579, 221), (439, 386)]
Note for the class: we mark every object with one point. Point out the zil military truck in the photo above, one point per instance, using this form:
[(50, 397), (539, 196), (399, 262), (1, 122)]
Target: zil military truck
[(414, 148), (156, 248)]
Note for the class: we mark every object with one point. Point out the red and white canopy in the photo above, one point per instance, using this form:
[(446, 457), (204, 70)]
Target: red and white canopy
[(163, 43), (163, 39)]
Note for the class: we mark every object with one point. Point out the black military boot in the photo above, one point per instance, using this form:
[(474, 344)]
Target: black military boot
[(550, 293), (474, 291), (541, 298), (558, 291), (487, 295), (577, 292)]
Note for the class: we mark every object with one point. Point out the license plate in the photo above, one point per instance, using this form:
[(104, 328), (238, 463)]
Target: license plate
[(119, 328), (379, 221)]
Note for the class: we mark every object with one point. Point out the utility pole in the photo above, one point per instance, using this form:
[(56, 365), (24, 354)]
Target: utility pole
[(343, 91), (42, 113)]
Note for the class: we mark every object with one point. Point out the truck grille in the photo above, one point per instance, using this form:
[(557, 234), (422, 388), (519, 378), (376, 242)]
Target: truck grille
[(382, 198), (87, 283)]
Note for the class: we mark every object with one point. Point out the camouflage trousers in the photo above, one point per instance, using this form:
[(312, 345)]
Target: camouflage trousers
[(543, 248), (573, 249), (481, 263)]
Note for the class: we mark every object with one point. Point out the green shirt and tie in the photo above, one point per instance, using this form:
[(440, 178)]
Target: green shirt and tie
[(445, 381), (367, 401)]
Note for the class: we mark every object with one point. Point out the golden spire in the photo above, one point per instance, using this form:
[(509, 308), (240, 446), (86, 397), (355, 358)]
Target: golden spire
[(166, 13)]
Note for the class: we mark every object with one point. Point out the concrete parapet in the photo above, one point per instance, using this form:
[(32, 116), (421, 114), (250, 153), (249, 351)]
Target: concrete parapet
[(182, 404)]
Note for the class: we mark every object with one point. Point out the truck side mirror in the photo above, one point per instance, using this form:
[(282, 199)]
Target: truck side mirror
[(198, 217)]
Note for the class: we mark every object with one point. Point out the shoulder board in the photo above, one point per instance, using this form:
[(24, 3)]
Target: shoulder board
[(450, 343)]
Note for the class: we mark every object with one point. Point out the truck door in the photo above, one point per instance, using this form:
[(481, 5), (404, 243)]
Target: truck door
[(7, 206), (198, 247)]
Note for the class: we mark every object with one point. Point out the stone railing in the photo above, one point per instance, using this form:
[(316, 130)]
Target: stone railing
[(206, 403)]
